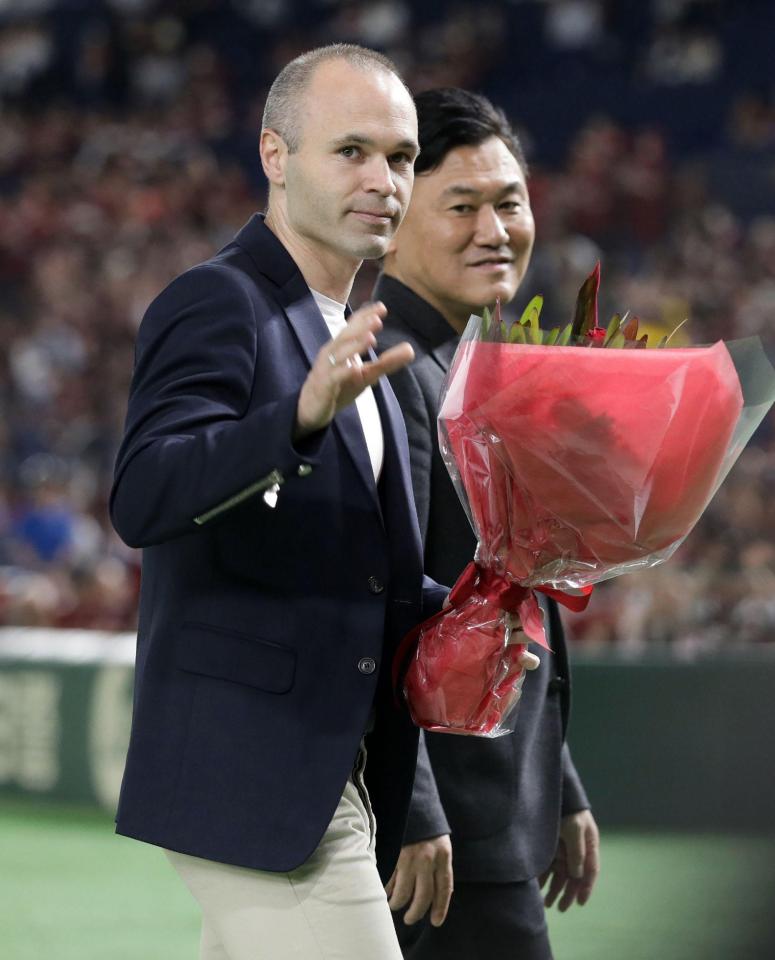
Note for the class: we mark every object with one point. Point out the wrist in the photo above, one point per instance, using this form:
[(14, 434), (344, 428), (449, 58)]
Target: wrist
[(303, 425)]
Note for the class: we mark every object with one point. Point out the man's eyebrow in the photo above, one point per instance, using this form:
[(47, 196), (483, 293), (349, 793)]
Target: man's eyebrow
[(461, 190), (369, 142)]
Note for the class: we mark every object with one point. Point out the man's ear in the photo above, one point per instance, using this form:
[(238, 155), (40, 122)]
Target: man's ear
[(274, 154)]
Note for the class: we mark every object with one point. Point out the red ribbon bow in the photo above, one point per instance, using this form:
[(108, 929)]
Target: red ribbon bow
[(501, 592), (506, 594)]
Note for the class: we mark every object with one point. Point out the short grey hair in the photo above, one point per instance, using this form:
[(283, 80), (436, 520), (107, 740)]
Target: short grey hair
[(281, 110)]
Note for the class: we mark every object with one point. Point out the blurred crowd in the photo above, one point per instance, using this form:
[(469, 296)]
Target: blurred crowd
[(128, 152)]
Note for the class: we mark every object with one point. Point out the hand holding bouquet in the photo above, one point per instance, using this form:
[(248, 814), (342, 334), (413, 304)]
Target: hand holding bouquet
[(579, 454)]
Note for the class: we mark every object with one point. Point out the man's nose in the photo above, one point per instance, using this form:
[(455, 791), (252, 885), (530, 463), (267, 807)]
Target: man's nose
[(379, 177), (490, 231)]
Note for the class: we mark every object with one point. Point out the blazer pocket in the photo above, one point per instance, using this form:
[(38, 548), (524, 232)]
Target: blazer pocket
[(226, 655)]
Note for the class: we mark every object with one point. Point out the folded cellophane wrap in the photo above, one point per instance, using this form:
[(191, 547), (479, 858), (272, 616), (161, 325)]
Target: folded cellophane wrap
[(574, 465)]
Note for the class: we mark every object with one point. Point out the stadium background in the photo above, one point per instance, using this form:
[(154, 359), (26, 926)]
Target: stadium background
[(128, 133)]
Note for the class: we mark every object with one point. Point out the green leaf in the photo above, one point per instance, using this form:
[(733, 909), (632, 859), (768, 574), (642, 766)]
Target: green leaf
[(504, 331), (617, 341), (517, 334), (613, 328), (662, 343), (534, 333), (532, 311), (551, 337), (565, 335), (486, 323)]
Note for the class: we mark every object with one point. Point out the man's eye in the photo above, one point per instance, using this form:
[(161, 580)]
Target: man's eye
[(400, 159), (462, 208), (349, 152), (514, 206)]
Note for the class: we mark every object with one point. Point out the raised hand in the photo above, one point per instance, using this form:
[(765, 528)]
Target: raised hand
[(338, 375)]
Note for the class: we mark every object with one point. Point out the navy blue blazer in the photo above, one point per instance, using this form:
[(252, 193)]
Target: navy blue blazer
[(277, 579)]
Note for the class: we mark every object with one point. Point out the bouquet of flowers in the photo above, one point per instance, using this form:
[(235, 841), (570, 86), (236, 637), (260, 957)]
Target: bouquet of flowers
[(578, 454)]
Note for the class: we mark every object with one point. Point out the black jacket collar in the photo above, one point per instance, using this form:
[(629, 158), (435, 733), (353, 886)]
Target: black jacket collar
[(424, 320), (418, 321)]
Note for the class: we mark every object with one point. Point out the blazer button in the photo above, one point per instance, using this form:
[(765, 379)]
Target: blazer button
[(367, 665), (304, 470), (376, 586), (557, 684)]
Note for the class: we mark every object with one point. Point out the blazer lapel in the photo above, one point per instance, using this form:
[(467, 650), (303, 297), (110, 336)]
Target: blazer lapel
[(389, 413), (400, 516), (444, 352), (312, 333), (303, 315), (348, 424), (273, 260)]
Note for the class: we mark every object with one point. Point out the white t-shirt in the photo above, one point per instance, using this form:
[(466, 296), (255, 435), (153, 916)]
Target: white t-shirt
[(334, 315)]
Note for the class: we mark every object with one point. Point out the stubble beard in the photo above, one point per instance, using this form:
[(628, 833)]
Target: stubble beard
[(367, 247)]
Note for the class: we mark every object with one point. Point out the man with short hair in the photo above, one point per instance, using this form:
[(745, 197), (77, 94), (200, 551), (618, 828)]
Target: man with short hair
[(265, 472), (515, 805)]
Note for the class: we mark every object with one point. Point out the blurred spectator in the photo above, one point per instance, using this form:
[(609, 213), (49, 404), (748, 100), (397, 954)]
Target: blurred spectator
[(752, 123), (677, 56), (47, 527), (574, 24)]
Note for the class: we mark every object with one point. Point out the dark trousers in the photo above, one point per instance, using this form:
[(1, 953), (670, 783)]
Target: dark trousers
[(485, 920)]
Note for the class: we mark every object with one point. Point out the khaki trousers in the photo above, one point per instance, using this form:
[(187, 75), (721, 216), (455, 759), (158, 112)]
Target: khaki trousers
[(333, 907)]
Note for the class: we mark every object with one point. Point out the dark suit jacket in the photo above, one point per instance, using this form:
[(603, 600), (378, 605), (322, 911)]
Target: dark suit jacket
[(502, 798), (263, 630)]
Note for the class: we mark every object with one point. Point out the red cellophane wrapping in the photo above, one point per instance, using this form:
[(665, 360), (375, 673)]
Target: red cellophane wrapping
[(574, 465)]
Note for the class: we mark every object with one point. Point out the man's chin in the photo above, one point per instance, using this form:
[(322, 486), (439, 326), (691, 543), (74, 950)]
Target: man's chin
[(371, 248), (488, 293)]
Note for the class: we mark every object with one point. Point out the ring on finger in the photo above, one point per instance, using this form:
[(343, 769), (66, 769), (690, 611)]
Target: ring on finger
[(332, 360)]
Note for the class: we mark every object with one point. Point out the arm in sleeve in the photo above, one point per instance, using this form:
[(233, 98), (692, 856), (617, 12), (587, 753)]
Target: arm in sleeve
[(189, 444), (426, 815), (574, 797)]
